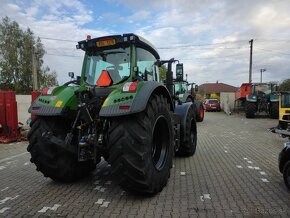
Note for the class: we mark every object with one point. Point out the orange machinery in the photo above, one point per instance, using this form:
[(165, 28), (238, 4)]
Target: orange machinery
[(241, 94), (243, 91)]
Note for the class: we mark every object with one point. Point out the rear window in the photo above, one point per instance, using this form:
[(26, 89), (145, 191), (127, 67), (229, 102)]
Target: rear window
[(285, 101), (213, 101)]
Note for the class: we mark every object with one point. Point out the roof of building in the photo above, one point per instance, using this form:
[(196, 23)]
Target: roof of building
[(217, 87)]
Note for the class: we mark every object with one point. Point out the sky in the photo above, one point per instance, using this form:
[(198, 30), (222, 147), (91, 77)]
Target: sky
[(211, 38)]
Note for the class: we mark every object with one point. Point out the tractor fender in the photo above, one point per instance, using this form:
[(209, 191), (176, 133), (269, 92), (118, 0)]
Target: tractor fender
[(181, 111), (139, 102), (251, 98)]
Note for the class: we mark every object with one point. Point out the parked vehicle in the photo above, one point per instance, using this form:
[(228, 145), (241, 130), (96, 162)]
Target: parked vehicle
[(257, 98), (263, 98), (117, 109), (212, 105), (284, 163), (283, 127)]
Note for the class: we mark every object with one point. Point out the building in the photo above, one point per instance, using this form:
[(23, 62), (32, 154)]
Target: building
[(214, 90)]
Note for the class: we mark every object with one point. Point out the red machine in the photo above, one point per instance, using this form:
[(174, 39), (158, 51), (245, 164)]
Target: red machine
[(241, 94), (243, 91), (9, 131)]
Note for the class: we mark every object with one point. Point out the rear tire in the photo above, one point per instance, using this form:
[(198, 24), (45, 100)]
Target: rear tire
[(200, 114), (274, 110), (141, 147), (250, 109), (188, 142), (286, 175), (53, 161)]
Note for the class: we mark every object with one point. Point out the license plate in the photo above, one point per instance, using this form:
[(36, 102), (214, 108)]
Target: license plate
[(213, 107), (106, 42)]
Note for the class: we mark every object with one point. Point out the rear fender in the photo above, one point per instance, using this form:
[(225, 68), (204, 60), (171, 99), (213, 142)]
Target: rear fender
[(120, 103), (56, 103)]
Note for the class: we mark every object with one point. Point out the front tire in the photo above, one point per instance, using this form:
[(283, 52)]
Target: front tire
[(189, 135), (286, 175), (250, 109), (53, 161), (274, 110), (141, 147), (200, 114)]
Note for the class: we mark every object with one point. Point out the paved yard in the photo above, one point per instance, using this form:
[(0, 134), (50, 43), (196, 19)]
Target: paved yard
[(234, 173)]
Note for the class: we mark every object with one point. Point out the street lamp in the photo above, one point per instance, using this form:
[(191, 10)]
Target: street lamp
[(262, 70)]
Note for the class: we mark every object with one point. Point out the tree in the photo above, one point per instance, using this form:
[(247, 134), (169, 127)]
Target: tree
[(10, 41), (17, 49), (47, 78), (162, 73), (285, 85)]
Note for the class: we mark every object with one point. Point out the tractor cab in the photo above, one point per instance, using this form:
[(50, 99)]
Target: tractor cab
[(263, 89), (183, 87), (113, 60)]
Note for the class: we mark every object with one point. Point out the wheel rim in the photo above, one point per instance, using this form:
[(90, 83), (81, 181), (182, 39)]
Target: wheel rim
[(160, 142), (201, 112)]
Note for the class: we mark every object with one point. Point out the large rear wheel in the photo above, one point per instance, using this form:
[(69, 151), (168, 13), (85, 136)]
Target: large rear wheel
[(50, 159), (141, 147)]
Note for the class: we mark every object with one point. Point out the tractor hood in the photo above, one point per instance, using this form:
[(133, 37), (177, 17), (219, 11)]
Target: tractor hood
[(55, 100)]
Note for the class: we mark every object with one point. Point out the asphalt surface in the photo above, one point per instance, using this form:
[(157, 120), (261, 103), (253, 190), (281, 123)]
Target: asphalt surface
[(234, 173)]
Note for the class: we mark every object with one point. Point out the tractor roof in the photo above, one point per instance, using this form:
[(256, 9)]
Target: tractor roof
[(116, 41)]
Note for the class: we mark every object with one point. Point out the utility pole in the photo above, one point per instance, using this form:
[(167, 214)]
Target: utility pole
[(262, 70), (251, 60), (34, 71)]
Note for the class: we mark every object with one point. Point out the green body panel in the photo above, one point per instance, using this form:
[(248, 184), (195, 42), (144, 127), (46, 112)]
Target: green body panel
[(118, 97), (61, 97)]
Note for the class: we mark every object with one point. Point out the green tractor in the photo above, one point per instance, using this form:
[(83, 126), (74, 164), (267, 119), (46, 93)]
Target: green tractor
[(185, 92), (117, 109), (263, 98)]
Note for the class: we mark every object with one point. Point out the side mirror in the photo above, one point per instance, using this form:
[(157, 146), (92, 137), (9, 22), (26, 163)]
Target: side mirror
[(196, 88), (71, 75), (179, 72)]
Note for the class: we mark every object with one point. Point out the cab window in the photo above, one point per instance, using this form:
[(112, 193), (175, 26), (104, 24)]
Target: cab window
[(145, 62)]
